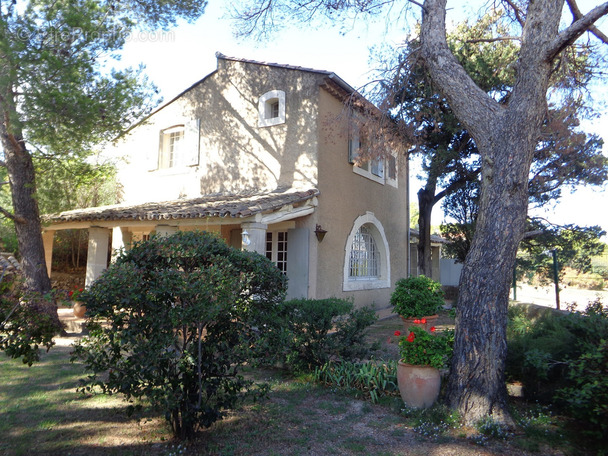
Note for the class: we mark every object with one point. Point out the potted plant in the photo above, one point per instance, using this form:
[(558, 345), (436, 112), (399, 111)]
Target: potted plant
[(417, 300), (422, 355), (78, 307)]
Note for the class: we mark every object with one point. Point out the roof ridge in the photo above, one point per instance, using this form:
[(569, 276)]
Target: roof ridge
[(219, 55)]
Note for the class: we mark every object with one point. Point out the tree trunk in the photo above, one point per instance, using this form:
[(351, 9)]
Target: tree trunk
[(27, 221), (476, 386), (426, 200), (506, 136), (26, 218)]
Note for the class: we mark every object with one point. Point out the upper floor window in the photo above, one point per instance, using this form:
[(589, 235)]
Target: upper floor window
[(178, 146), (381, 170), (171, 147), (271, 108)]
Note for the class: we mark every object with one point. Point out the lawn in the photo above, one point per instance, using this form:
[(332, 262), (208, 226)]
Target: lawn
[(42, 413)]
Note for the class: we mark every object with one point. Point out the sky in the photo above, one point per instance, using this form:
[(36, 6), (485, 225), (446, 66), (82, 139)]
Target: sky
[(178, 58)]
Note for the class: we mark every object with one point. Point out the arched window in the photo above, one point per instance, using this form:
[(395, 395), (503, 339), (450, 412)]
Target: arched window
[(271, 108), (367, 256), (364, 256)]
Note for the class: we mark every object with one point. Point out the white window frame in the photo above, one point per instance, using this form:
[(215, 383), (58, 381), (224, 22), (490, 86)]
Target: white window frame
[(272, 253), (383, 278), (268, 115), (164, 161)]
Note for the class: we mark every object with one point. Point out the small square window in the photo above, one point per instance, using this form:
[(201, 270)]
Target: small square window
[(271, 108)]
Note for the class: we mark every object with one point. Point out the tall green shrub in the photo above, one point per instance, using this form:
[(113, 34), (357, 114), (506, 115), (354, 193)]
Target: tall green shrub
[(173, 319)]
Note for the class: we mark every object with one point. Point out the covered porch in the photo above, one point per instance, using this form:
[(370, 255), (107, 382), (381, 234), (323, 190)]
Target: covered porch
[(259, 222)]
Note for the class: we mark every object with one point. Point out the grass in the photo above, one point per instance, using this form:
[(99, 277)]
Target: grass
[(41, 413)]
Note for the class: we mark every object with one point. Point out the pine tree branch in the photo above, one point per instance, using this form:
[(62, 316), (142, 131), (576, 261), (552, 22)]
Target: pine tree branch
[(576, 14), (569, 35), (492, 40), (519, 15), (13, 217), (474, 107)]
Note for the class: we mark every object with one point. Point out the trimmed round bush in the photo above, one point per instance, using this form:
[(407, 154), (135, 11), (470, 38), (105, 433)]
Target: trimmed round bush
[(417, 297)]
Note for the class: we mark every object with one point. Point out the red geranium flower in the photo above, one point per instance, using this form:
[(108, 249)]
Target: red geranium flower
[(433, 329), (411, 337), (423, 321), (416, 321), (397, 333)]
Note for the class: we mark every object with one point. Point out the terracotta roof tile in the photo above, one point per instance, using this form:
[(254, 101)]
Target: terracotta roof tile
[(219, 205)]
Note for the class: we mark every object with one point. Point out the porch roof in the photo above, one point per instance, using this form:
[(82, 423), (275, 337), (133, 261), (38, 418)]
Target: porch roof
[(241, 205)]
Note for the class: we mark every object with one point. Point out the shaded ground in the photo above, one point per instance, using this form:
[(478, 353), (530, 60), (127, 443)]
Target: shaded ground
[(42, 414)]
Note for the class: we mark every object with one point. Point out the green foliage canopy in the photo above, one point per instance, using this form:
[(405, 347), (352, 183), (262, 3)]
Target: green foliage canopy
[(173, 319)]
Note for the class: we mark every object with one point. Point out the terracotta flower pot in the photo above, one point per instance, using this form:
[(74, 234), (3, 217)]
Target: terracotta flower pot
[(429, 322), (418, 385), (79, 309)]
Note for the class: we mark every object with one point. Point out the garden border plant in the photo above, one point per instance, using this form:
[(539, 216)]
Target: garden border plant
[(307, 333)]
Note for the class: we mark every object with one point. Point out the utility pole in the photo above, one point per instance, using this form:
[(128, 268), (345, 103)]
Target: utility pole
[(555, 278)]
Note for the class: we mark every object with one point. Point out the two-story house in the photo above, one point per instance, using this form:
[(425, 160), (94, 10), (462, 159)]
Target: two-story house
[(265, 155)]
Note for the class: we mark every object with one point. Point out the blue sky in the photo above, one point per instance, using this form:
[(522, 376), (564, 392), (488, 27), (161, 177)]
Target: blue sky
[(178, 58)]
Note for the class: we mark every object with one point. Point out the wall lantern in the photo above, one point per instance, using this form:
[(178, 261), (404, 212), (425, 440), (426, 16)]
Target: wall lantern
[(320, 232), (245, 238)]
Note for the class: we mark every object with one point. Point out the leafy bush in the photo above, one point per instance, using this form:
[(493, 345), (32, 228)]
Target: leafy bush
[(587, 400), (425, 349), (542, 351), (417, 297), (310, 332), (26, 321), (173, 319)]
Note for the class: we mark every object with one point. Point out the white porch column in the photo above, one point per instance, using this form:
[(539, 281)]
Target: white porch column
[(47, 240), (97, 257), (166, 230), (257, 237), (121, 240)]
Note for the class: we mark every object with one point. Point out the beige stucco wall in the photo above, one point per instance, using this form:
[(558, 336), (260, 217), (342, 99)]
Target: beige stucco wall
[(309, 150), (344, 197), (235, 153)]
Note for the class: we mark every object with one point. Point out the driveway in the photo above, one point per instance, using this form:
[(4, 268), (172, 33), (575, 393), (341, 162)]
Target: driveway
[(545, 296)]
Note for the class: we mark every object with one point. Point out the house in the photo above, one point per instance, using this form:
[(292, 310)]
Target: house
[(436, 242), (444, 270), (265, 155)]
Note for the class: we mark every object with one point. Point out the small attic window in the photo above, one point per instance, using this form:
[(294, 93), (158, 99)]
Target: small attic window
[(271, 108)]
